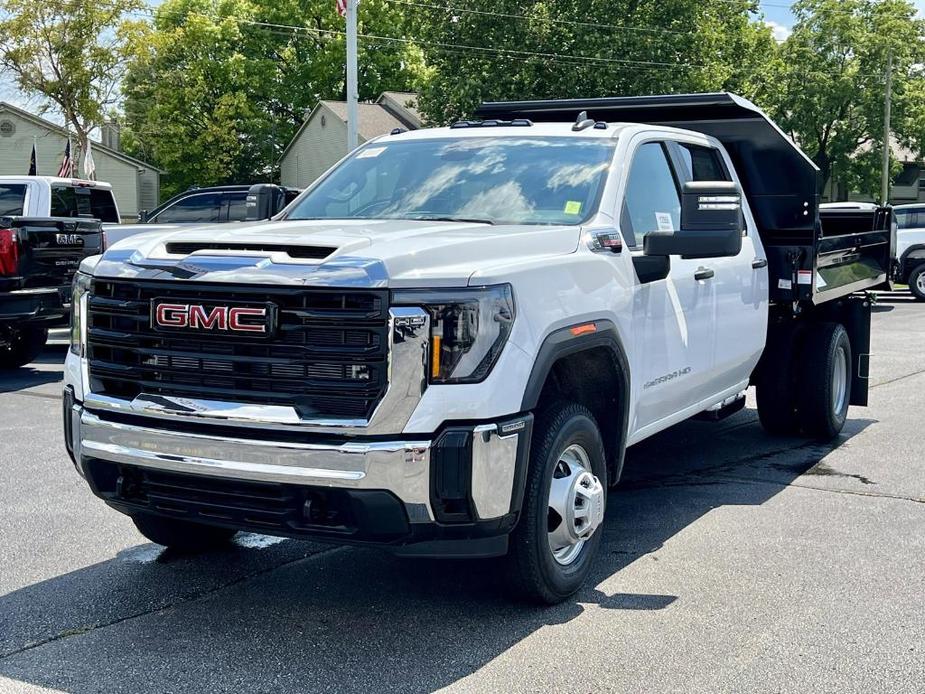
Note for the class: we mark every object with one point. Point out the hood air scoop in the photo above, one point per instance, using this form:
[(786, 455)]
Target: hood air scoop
[(301, 252)]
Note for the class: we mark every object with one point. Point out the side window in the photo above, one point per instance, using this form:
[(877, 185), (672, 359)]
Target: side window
[(12, 199), (703, 163), (910, 218), (103, 205), (652, 202), (236, 205), (201, 207)]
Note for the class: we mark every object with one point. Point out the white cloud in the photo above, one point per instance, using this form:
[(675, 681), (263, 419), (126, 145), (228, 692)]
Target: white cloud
[(780, 32)]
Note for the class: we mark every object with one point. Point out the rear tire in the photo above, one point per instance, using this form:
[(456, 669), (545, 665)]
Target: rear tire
[(24, 345), (183, 536), (917, 282), (825, 381), (550, 555)]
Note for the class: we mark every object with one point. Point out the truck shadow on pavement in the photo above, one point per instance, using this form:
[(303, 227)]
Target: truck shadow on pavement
[(298, 617), (48, 368)]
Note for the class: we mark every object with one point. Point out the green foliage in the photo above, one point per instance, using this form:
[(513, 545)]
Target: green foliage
[(214, 94), (71, 54), (614, 47), (827, 85)]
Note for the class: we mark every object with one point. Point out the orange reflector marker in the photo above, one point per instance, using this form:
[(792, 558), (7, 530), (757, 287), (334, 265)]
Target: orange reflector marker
[(437, 342), (583, 329)]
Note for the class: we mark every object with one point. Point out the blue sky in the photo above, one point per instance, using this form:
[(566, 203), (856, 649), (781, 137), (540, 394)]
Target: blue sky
[(777, 14)]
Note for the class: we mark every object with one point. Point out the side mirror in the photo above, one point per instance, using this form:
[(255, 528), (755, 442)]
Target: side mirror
[(263, 201), (143, 217), (711, 223)]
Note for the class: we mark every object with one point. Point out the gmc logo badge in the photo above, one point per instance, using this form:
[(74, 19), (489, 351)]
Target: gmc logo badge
[(254, 320), (69, 239)]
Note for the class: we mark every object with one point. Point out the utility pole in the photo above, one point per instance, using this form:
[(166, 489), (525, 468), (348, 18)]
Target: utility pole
[(887, 105), (353, 93)]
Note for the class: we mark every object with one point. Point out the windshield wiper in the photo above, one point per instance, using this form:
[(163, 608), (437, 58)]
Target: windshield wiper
[(471, 220)]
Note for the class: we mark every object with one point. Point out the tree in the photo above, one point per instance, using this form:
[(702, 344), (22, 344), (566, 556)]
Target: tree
[(569, 48), (216, 90), (827, 85), (70, 53)]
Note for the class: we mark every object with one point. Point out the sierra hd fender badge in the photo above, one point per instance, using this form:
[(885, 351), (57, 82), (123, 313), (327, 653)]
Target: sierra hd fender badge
[(254, 320)]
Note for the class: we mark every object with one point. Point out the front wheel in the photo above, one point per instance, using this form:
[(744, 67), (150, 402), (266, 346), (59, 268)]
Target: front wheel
[(917, 282), (554, 543), (21, 346)]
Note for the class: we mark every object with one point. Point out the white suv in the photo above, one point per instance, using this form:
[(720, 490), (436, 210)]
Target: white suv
[(910, 247)]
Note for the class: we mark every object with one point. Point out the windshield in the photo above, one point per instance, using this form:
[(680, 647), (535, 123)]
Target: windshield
[(496, 180)]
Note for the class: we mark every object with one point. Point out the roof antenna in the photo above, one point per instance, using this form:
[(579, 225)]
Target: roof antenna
[(582, 122)]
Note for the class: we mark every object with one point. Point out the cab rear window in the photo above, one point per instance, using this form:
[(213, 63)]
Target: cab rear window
[(95, 203), (12, 199)]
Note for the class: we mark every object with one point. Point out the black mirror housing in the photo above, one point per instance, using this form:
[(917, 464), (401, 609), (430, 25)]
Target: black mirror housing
[(263, 201), (143, 217), (711, 223)]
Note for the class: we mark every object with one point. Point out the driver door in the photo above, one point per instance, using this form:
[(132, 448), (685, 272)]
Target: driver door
[(674, 317)]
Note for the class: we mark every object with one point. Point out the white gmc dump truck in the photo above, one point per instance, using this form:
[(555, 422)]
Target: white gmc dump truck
[(446, 344)]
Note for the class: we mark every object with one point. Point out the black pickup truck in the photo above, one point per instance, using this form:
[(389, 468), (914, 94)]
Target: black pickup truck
[(38, 259)]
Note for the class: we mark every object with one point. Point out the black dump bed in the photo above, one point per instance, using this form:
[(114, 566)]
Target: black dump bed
[(812, 257), (50, 250)]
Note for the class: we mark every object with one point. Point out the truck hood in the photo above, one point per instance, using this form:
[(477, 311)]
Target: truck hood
[(362, 253)]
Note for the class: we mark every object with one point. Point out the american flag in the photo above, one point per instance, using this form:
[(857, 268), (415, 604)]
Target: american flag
[(66, 170), (342, 7)]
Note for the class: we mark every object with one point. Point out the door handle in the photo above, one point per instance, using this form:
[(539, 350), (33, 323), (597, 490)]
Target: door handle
[(704, 273), (759, 263)]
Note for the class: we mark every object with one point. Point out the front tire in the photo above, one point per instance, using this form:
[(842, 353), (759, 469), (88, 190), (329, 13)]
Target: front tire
[(555, 541), (825, 381), (24, 344), (917, 282), (181, 535)]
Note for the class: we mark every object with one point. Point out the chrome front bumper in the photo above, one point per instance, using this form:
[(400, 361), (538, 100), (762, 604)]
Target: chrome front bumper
[(402, 467)]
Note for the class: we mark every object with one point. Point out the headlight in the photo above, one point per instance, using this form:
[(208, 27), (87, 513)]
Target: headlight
[(79, 294), (468, 329)]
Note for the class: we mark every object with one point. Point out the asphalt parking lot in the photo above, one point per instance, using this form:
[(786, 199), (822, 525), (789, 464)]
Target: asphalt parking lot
[(731, 561)]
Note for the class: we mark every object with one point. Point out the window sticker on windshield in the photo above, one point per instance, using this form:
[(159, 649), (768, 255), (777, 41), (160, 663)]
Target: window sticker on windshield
[(371, 152), (663, 221), (573, 207)]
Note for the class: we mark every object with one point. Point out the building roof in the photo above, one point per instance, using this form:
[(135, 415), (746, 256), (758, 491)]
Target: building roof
[(392, 110), (97, 146), (404, 105)]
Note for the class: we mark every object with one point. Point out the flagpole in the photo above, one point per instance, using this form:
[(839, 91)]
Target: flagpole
[(352, 88)]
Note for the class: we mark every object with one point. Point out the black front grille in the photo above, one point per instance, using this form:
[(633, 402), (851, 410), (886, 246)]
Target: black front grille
[(327, 358)]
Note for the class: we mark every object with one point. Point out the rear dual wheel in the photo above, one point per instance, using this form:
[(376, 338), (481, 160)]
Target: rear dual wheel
[(554, 543), (807, 390)]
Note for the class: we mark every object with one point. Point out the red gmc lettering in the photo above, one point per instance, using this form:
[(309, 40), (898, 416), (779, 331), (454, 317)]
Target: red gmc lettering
[(172, 315), (235, 316), (217, 318)]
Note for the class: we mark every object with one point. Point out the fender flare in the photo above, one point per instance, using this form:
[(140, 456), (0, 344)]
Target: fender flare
[(564, 342)]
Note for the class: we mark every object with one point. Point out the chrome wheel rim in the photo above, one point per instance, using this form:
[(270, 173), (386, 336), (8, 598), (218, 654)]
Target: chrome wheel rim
[(840, 381), (576, 505), (920, 283)]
